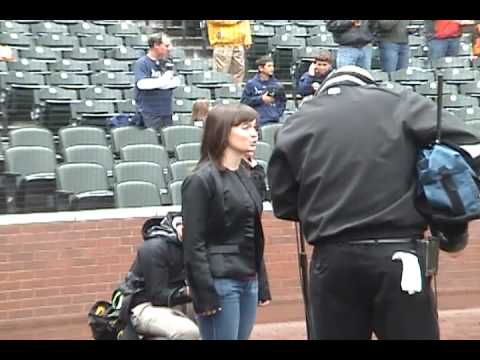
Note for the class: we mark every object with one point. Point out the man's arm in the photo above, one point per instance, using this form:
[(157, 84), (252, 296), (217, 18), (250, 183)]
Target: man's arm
[(144, 81), (249, 97)]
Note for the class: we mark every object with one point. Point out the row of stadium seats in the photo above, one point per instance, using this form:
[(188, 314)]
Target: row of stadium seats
[(34, 171)]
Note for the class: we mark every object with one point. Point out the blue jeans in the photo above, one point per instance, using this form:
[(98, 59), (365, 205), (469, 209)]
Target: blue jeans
[(438, 48), (238, 300), (394, 56), (347, 55), (156, 122)]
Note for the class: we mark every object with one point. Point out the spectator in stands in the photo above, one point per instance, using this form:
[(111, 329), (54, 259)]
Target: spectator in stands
[(330, 175), (223, 236), (354, 38), (159, 262), (443, 37), (310, 82), (264, 93), (6, 53), (154, 83), (229, 39), (394, 48), (476, 39), (200, 110)]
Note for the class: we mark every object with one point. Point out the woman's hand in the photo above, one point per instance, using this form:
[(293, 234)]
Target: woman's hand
[(263, 303), (210, 312)]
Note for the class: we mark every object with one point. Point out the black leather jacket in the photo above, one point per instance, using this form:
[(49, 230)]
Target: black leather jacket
[(215, 247)]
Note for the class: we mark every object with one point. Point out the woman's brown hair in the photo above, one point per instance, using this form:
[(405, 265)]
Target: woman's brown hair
[(218, 125), (200, 109)]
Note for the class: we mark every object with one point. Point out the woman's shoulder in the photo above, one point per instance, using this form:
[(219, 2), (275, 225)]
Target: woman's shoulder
[(204, 172)]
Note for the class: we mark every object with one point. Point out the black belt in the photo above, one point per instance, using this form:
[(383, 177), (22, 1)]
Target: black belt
[(382, 241)]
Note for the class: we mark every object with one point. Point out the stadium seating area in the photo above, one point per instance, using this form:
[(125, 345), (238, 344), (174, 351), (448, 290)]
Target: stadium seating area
[(70, 77)]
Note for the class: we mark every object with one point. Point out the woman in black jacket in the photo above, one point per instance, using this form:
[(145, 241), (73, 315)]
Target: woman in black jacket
[(223, 236)]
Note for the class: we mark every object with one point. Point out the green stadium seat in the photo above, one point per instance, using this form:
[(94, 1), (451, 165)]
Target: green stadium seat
[(136, 194), (132, 135), (82, 186), (176, 135), (143, 171), (190, 151)]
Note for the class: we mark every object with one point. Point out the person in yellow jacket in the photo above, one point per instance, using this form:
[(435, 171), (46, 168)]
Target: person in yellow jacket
[(229, 39)]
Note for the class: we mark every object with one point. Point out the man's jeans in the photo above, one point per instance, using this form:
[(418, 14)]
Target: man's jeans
[(394, 56), (156, 122), (238, 300), (438, 48), (362, 57)]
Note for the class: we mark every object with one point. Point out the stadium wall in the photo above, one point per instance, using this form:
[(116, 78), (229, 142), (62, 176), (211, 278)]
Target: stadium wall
[(53, 267)]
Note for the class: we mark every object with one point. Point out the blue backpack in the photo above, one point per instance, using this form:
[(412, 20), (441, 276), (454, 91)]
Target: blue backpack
[(448, 187)]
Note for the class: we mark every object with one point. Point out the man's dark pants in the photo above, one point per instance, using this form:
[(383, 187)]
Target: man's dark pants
[(156, 122), (355, 291)]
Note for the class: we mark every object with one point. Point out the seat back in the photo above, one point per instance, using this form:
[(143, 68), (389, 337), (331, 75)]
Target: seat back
[(81, 135), (145, 152), (136, 194), (79, 178), (181, 169), (32, 136), (190, 151), (268, 133), (176, 191), (131, 135), (180, 134), (97, 154), (263, 151), (29, 160), (140, 171)]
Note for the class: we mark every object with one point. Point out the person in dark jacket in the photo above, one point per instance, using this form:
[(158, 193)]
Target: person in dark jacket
[(264, 93), (159, 262), (350, 181), (394, 49), (223, 235), (317, 72), (354, 38)]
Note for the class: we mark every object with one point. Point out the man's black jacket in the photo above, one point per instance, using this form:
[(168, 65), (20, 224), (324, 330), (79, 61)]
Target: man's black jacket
[(159, 262), (344, 163)]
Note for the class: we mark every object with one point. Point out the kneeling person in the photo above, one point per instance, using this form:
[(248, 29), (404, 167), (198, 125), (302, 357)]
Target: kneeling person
[(156, 308)]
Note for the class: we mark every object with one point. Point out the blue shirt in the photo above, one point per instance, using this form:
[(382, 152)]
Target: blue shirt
[(155, 101), (252, 96)]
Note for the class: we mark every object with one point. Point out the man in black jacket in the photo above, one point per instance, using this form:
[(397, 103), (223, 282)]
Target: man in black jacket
[(354, 38), (159, 262), (344, 166)]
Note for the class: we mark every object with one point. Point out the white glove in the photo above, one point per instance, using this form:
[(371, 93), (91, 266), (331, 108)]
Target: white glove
[(411, 273)]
